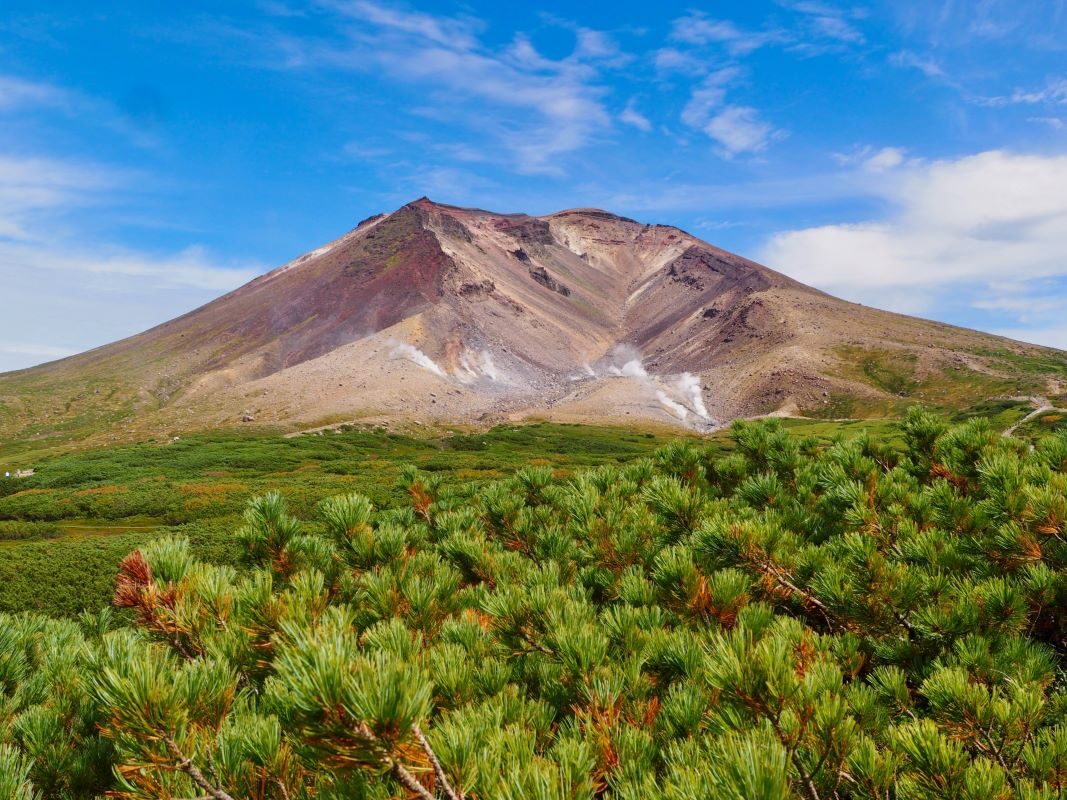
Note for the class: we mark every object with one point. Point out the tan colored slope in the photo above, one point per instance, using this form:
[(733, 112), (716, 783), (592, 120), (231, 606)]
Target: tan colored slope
[(513, 316)]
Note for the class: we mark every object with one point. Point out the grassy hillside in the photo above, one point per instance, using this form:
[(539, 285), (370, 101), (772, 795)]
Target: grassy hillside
[(895, 378)]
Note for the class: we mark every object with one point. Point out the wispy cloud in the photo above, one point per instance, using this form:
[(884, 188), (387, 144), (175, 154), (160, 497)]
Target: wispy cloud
[(673, 60), (739, 129), (20, 93), (65, 288), (927, 66), (454, 33), (1056, 123), (736, 129), (815, 28), (708, 95), (550, 107), (631, 116), (696, 28), (33, 186), (949, 23), (1054, 92), (823, 25), (109, 267), (872, 159), (37, 194)]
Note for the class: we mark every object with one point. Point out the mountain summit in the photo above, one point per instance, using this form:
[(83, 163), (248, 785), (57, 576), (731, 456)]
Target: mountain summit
[(435, 313)]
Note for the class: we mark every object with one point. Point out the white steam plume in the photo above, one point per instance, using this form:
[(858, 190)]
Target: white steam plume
[(631, 369), (489, 369), (478, 365), (414, 354), (689, 386), (677, 409), (625, 361)]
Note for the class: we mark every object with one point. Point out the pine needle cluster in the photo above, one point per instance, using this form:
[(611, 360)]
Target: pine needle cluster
[(790, 620)]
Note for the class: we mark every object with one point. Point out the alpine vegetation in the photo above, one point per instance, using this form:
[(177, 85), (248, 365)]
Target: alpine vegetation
[(789, 620)]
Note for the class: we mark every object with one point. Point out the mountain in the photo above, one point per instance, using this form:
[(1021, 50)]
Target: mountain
[(438, 314)]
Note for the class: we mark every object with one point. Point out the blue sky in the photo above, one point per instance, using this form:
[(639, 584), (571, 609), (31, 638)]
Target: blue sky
[(908, 154)]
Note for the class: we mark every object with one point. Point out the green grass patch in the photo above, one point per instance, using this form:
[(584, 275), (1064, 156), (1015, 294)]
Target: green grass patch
[(1043, 424), (95, 506), (1044, 364), (896, 373)]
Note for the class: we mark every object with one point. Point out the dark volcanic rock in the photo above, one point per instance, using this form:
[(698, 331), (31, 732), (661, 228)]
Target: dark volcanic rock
[(477, 290), (540, 274), (530, 231), (454, 228)]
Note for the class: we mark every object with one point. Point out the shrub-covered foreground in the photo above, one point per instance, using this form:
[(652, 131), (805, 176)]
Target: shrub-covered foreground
[(64, 531), (789, 620)]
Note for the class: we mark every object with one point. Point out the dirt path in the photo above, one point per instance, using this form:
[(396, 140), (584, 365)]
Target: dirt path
[(1042, 404)]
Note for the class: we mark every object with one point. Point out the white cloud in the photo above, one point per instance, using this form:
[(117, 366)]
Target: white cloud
[(961, 228), (64, 290), (33, 186), (65, 296), (631, 116), (37, 192), (708, 95), (735, 128), (535, 107), (835, 27), (908, 59), (885, 159), (20, 93), (1055, 123), (106, 267), (872, 160), (671, 59), (739, 129), (452, 33), (1053, 93), (695, 28), (698, 29), (817, 28)]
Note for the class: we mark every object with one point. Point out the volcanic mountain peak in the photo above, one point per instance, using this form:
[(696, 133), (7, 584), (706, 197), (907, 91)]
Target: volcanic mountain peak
[(441, 313)]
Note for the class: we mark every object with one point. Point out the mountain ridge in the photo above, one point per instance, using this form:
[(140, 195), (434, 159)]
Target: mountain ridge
[(579, 315)]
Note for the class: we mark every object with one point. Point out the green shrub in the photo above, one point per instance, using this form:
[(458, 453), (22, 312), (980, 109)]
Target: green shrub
[(792, 620)]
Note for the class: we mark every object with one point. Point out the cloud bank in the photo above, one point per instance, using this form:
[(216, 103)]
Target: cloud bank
[(988, 229)]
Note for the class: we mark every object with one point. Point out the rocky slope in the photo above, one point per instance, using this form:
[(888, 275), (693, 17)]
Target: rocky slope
[(437, 314)]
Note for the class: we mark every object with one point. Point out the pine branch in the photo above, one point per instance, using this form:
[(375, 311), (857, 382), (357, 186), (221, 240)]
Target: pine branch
[(408, 780), (398, 770), (186, 765), (438, 770), (281, 787), (531, 642), (766, 566), (900, 618)]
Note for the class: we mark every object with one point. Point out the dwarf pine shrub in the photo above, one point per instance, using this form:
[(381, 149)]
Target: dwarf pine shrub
[(789, 620)]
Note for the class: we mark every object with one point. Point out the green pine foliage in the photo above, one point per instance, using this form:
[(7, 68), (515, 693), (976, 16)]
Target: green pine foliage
[(793, 619)]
